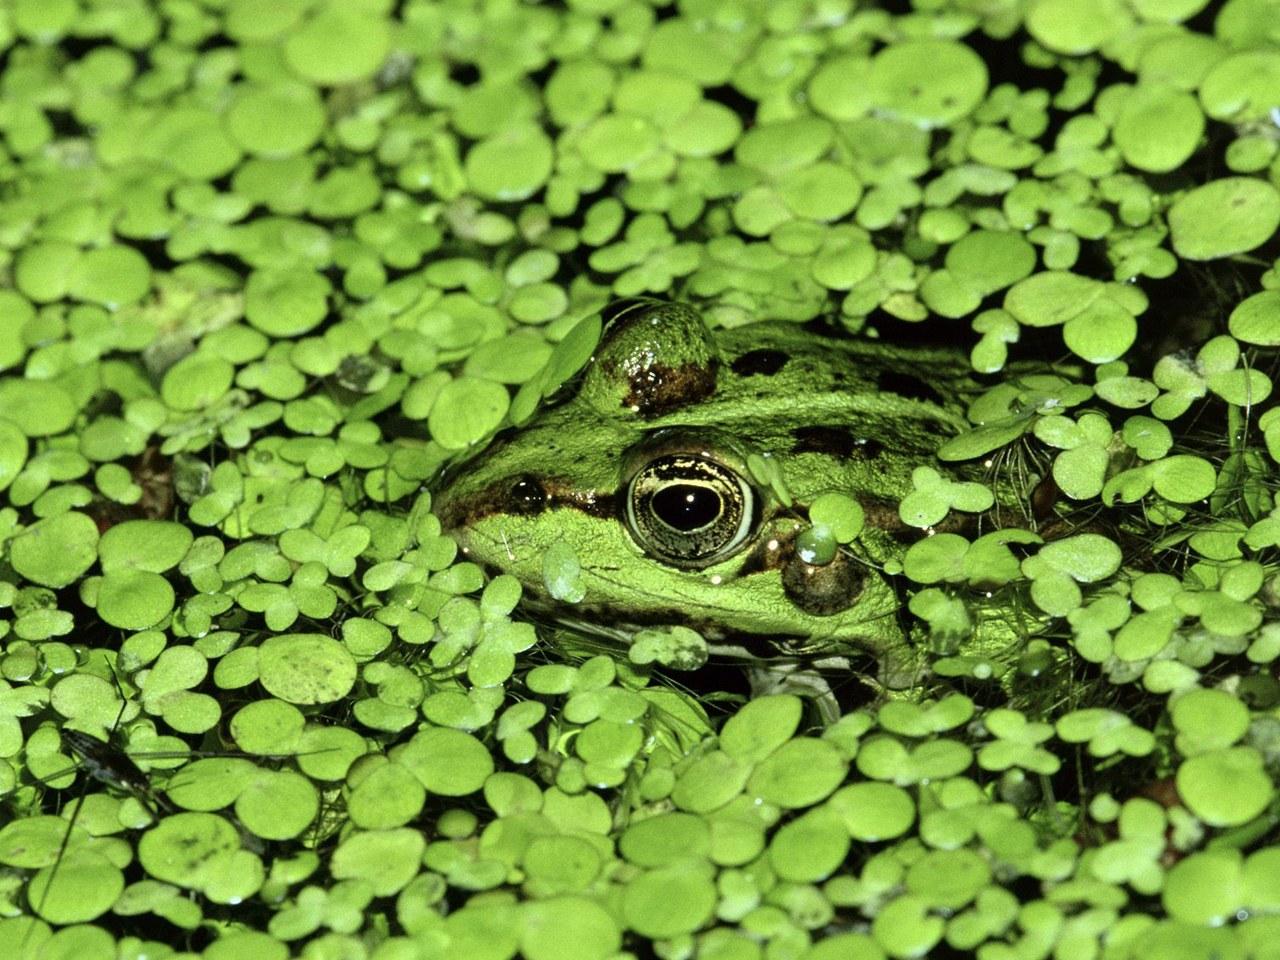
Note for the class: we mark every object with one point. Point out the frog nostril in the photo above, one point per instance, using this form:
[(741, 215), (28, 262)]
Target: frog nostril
[(526, 496)]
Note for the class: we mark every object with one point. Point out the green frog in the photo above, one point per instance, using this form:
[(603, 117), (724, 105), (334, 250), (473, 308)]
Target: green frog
[(650, 470)]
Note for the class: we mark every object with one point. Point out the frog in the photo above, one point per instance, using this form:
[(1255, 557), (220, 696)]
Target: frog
[(648, 466)]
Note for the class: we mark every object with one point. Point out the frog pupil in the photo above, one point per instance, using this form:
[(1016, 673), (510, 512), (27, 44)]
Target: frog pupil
[(686, 506)]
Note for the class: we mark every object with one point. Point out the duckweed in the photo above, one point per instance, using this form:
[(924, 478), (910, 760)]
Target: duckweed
[(270, 268)]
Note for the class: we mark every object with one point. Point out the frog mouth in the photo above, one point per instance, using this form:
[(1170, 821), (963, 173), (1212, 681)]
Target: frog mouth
[(722, 642), (605, 620), (596, 619)]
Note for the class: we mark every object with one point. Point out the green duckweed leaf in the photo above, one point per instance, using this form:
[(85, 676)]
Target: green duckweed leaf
[(1106, 731), (306, 668), (386, 859), (154, 545), (1225, 788), (617, 142), (384, 796), (337, 46), (134, 599), (904, 927), (1259, 878), (1149, 438), (1207, 720), (13, 452), (568, 928), (210, 783), (936, 559), (276, 120), (1059, 566), (1080, 470), (84, 887), (1018, 744), (15, 313), (760, 727), (927, 82), (984, 439), (710, 782), (799, 773), (511, 164), (669, 901), (1051, 297), (267, 727), (811, 847), (839, 513), (562, 573), (1076, 28), (874, 812), (191, 850), (677, 647), (948, 879), (286, 302), (277, 804), (1225, 217), (934, 496), (447, 762), (1181, 478), (1205, 888), (1240, 87), (917, 720), (1158, 127), (42, 270), (57, 551), (466, 411), (36, 407), (665, 839), (1256, 319), (114, 276)]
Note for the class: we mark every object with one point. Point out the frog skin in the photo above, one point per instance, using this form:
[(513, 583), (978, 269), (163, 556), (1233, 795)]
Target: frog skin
[(642, 470)]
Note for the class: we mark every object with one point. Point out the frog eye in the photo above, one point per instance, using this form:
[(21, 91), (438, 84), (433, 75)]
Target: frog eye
[(688, 510)]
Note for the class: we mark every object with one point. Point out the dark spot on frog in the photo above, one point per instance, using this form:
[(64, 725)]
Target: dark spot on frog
[(818, 590), (826, 589), (657, 388), (834, 441), (764, 363), (907, 385)]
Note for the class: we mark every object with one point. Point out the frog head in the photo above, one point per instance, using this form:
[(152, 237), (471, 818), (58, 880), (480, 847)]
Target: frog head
[(649, 470)]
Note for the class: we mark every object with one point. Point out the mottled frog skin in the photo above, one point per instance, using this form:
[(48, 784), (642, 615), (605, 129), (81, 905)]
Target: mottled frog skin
[(642, 470)]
